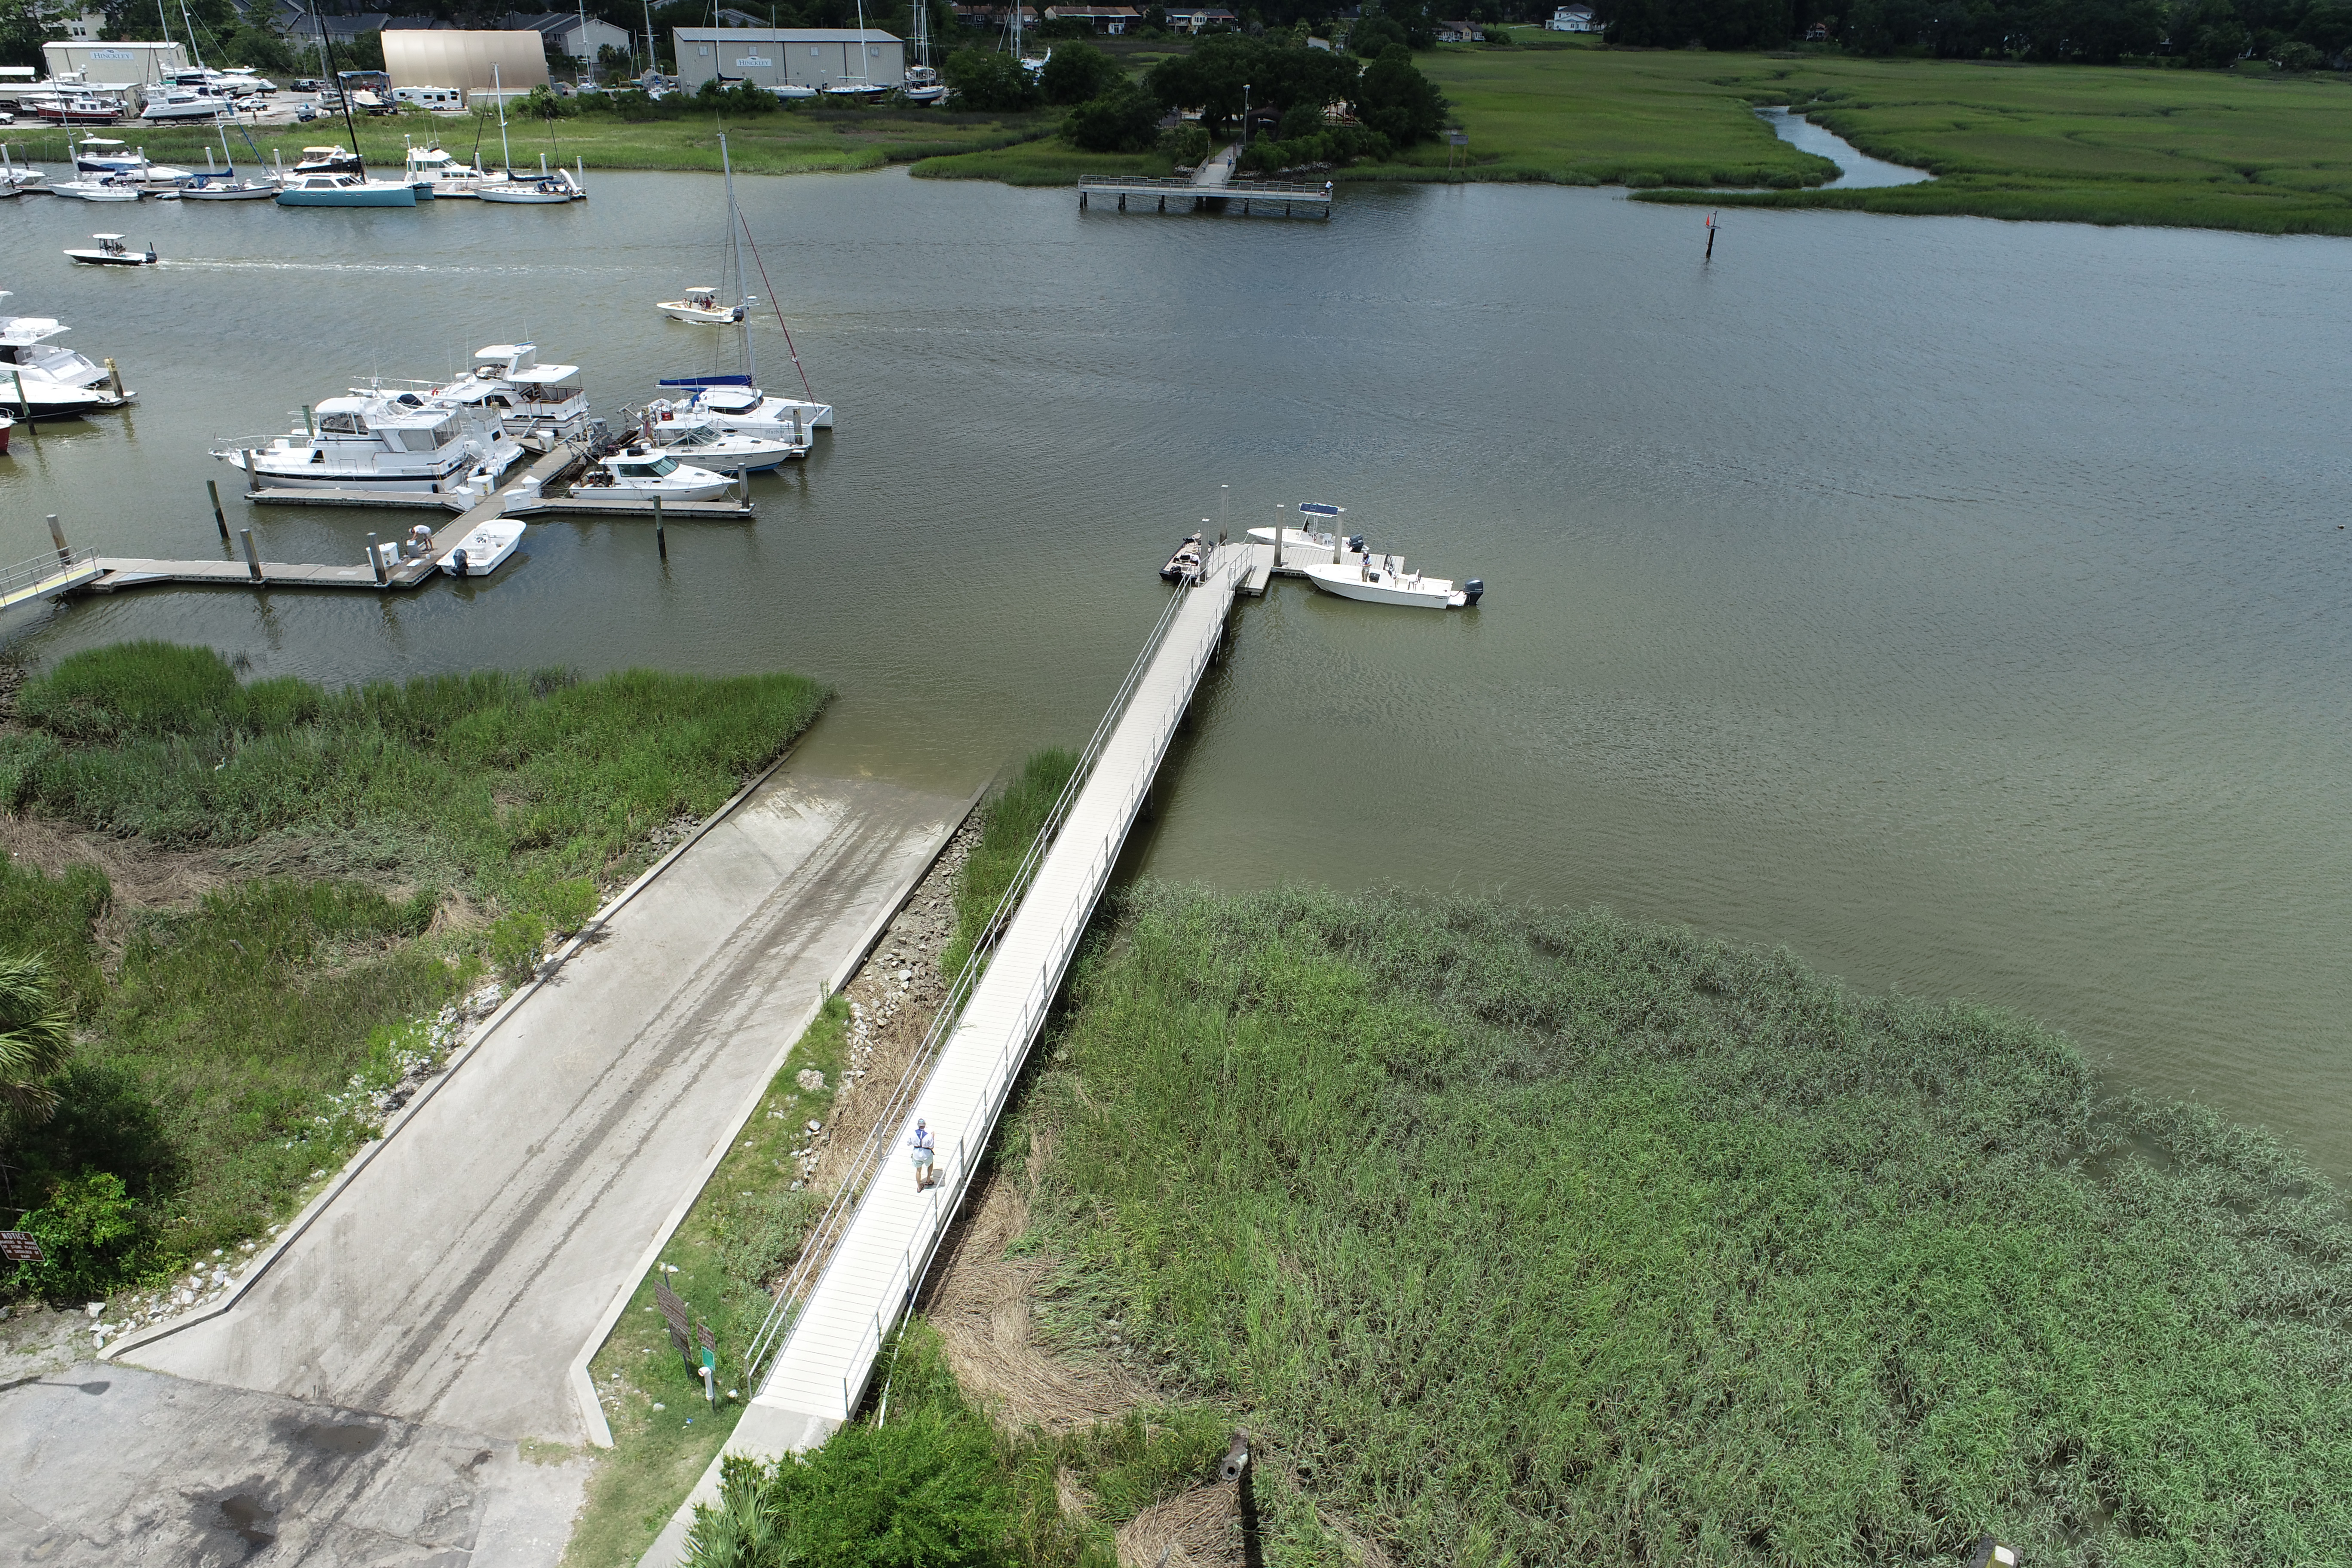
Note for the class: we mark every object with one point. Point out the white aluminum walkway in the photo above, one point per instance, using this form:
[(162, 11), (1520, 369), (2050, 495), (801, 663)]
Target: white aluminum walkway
[(820, 1375)]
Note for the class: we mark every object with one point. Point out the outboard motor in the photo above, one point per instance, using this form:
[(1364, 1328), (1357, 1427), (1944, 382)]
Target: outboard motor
[(1471, 589), (1355, 542)]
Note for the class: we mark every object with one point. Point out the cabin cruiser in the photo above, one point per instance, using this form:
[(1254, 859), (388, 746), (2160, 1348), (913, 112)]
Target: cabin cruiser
[(644, 471), (39, 380), (78, 109), (728, 451), (104, 155), (178, 104), (429, 168), (373, 442), (542, 403), (1382, 580), (732, 403)]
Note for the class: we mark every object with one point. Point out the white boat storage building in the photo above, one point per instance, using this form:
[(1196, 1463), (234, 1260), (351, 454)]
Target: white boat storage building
[(109, 65), (803, 57)]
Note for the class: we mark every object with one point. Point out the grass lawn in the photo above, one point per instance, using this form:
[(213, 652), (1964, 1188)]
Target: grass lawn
[(1520, 1237), (366, 856), (2094, 144)]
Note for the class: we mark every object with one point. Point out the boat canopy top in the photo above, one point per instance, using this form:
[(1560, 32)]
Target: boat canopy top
[(699, 381), (1320, 509)]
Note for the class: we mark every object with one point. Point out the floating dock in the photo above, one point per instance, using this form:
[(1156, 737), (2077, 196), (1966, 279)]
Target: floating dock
[(66, 571), (1254, 196)]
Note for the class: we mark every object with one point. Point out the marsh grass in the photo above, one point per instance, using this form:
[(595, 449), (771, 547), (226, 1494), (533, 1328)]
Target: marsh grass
[(240, 1047), (1581, 1240), (1041, 159), (1010, 823)]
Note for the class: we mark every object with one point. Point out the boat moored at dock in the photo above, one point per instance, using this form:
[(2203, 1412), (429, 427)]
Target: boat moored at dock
[(648, 472), (530, 401), (41, 380), (484, 549), (345, 191), (401, 444), (1383, 580)]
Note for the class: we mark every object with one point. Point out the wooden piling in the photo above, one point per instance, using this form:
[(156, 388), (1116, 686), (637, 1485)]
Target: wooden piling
[(24, 403), (115, 375), (661, 538), (212, 488), (252, 556), (376, 560), (58, 538)]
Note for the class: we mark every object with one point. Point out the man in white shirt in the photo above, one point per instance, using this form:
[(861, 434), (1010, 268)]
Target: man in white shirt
[(922, 1145)]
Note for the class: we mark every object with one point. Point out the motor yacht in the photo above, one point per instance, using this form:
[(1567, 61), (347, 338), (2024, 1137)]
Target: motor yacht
[(373, 442), (79, 109), (646, 471), (104, 155), (99, 188), (542, 403), (345, 191), (180, 104), (726, 451), (41, 380), (1383, 580)]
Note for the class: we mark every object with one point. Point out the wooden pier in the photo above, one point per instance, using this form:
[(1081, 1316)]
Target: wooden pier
[(1253, 195), (869, 1253)]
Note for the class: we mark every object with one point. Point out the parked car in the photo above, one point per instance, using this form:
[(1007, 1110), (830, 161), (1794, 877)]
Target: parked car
[(308, 84)]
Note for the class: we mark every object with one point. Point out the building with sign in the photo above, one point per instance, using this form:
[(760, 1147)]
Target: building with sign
[(801, 56), (114, 65)]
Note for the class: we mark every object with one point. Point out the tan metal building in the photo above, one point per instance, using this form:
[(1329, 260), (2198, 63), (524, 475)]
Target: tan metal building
[(803, 56), (443, 56), (114, 65)]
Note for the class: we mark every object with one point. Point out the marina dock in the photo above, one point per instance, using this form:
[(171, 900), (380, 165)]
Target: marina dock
[(64, 572), (870, 1252)]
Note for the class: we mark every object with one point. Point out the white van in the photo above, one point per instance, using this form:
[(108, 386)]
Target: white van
[(438, 100)]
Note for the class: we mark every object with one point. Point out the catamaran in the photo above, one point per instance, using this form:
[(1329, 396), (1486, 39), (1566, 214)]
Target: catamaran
[(733, 401)]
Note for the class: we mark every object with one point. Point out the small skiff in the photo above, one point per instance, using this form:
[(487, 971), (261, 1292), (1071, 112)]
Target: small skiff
[(110, 251), (485, 550)]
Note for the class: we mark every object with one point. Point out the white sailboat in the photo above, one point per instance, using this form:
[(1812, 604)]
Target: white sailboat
[(734, 401), (860, 85), (923, 84)]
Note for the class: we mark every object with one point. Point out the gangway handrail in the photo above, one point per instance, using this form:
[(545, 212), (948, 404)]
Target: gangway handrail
[(825, 1236), (49, 567)]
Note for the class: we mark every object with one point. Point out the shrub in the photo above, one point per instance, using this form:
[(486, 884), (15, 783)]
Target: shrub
[(989, 82), (515, 942), (88, 1228), (1185, 144), (540, 103), (1078, 72), (36, 1037), (1125, 120)]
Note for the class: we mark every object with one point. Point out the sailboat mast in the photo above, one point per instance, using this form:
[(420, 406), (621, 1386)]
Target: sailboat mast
[(498, 90), (735, 262)]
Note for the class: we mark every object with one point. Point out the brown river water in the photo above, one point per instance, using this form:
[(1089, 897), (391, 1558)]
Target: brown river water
[(1961, 604)]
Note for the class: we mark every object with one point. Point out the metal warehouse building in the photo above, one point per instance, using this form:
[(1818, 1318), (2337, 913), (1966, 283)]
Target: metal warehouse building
[(805, 56)]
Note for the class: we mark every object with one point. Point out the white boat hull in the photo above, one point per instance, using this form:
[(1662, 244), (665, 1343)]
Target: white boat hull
[(74, 190), (1297, 544), (679, 310), (1374, 586), (484, 550)]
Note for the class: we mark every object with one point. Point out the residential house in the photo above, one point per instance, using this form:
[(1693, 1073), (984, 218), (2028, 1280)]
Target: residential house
[(1105, 19), (994, 15), (1573, 19), (567, 34), (1460, 33), (1201, 21)]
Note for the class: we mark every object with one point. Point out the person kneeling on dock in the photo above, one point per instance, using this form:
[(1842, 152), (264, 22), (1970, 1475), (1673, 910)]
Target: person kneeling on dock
[(921, 1144), (420, 542)]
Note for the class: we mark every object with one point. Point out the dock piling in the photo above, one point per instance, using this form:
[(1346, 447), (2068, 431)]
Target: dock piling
[(58, 538), (375, 558), (115, 375), (661, 538), (308, 427), (24, 403), (212, 488), (252, 481), (252, 556)]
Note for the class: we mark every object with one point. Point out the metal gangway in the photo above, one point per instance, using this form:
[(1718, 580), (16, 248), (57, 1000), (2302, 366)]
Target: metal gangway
[(866, 1258)]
